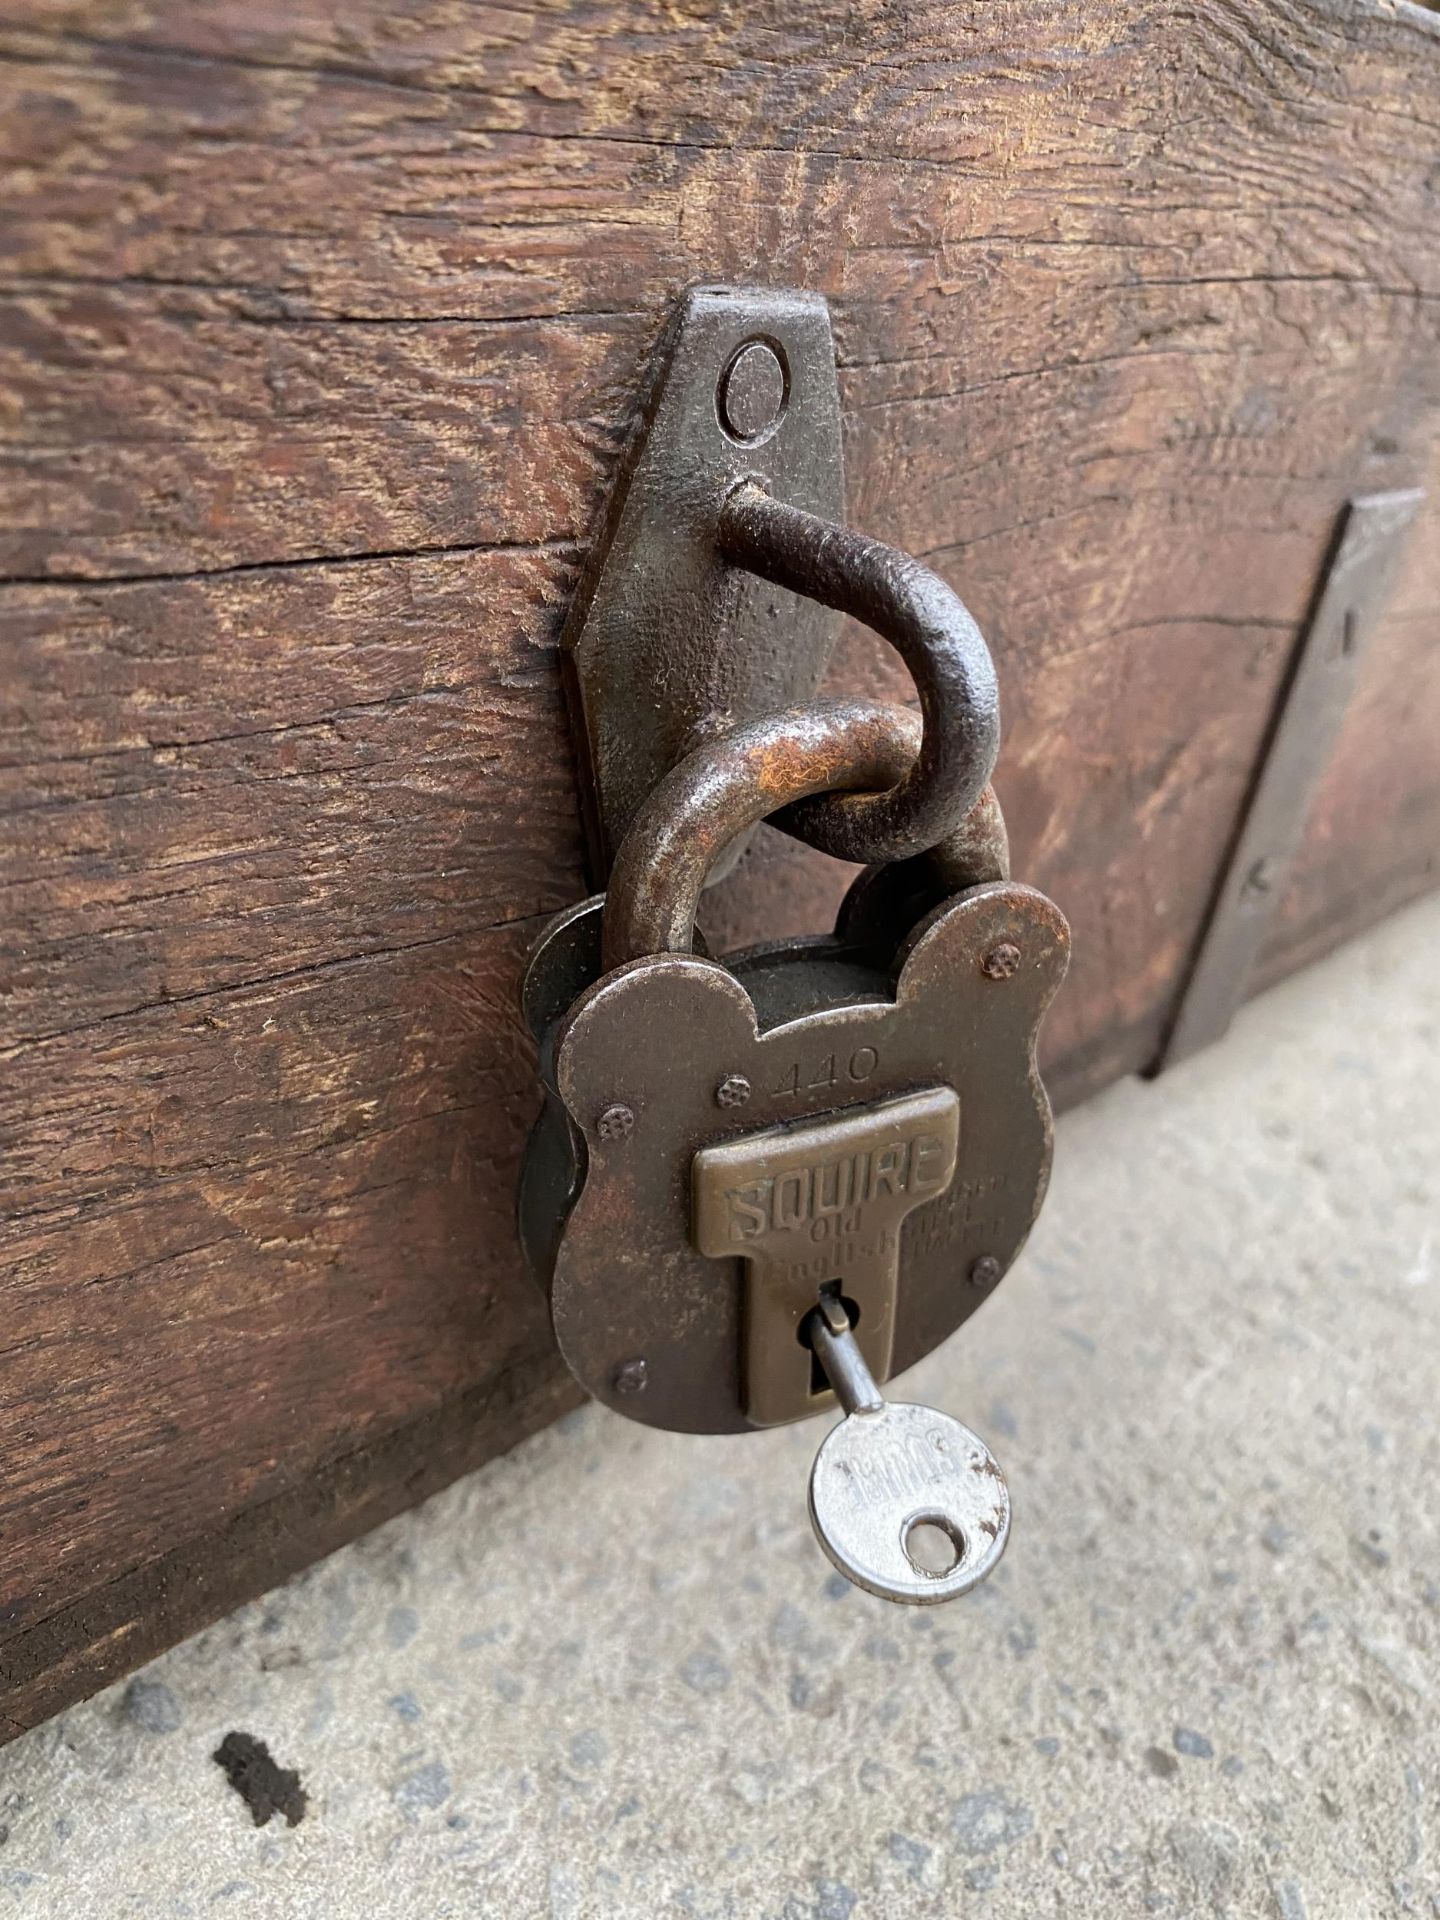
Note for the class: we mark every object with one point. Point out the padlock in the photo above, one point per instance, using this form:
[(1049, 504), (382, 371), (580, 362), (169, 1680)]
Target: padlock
[(726, 1145), (763, 1185)]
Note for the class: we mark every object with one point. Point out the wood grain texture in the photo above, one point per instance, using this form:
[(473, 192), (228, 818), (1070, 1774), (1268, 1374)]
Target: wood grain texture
[(320, 332)]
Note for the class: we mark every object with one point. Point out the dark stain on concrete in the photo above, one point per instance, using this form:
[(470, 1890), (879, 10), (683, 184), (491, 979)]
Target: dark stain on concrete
[(265, 1787)]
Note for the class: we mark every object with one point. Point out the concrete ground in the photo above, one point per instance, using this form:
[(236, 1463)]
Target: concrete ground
[(612, 1675)]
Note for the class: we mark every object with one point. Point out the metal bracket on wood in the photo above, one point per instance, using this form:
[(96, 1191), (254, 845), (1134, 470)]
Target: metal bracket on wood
[(667, 643), (1301, 740)]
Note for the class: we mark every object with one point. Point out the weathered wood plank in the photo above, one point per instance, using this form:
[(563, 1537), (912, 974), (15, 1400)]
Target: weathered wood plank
[(342, 254), (319, 336), (218, 781), (246, 1231)]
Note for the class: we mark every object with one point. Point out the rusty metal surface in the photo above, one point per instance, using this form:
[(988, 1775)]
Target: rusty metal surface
[(665, 640), (707, 602), (725, 787), (933, 632), (897, 893), (1302, 737), (808, 1205), (649, 1324)]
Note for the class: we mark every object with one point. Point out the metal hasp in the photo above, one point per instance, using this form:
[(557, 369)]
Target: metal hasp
[(1301, 740), (708, 604), (666, 641)]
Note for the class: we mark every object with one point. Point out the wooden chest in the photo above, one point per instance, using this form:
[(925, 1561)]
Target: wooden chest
[(321, 338)]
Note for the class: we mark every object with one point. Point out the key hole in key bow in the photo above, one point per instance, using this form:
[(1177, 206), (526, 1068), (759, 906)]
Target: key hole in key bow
[(933, 1544), (829, 1290)]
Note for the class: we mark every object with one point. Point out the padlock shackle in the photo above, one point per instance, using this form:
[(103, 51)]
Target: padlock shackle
[(729, 785)]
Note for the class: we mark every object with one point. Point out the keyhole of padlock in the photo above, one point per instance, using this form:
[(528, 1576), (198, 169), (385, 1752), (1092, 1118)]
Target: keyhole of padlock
[(831, 1290)]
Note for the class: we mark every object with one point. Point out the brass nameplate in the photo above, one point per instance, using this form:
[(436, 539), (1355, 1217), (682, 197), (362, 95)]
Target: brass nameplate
[(813, 1205)]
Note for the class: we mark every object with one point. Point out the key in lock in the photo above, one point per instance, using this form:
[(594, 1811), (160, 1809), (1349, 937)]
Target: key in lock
[(815, 1209), (906, 1501), (854, 1118)]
